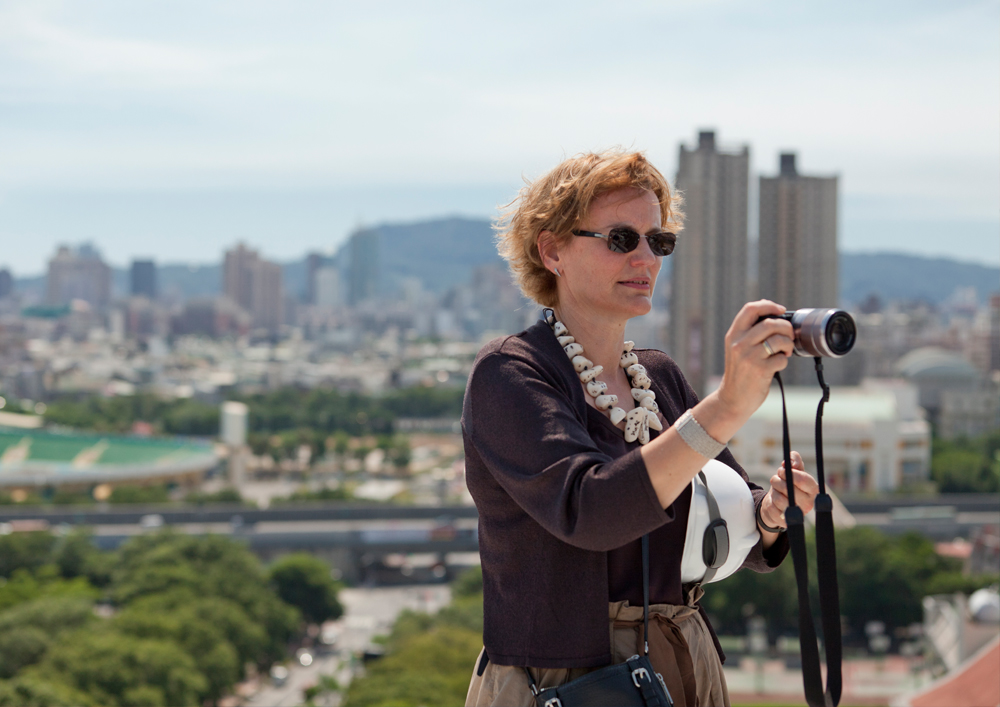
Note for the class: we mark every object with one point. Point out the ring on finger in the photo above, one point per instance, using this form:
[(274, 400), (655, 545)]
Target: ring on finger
[(767, 347)]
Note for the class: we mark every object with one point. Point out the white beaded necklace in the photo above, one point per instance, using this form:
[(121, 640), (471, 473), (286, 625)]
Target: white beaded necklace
[(639, 419)]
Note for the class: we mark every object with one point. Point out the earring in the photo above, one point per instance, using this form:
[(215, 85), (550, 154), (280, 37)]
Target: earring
[(556, 271)]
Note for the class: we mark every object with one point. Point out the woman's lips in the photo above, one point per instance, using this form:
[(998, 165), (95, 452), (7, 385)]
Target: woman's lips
[(638, 284)]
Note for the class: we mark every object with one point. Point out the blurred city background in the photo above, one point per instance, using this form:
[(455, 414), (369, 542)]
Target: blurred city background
[(247, 261)]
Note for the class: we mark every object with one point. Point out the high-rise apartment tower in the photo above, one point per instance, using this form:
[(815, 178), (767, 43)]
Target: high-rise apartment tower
[(797, 261), (363, 275), (143, 278), (255, 285), (78, 273), (709, 276)]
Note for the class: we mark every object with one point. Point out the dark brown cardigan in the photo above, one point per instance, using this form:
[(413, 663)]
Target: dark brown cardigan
[(563, 501)]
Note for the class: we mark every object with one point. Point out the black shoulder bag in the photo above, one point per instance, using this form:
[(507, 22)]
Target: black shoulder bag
[(633, 683), (826, 565)]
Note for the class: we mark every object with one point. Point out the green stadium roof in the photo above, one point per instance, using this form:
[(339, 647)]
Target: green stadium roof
[(42, 458)]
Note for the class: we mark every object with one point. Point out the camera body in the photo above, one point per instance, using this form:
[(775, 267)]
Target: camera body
[(820, 332)]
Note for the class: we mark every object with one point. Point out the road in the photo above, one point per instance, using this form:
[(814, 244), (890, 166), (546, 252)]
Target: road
[(367, 613)]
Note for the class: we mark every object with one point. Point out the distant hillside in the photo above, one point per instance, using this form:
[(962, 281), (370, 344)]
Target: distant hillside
[(441, 253), (895, 276)]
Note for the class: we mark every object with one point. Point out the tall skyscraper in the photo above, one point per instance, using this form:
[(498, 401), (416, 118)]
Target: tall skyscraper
[(78, 274), (6, 283), (237, 275), (314, 261), (363, 277), (995, 332), (267, 305), (709, 278), (143, 278), (255, 285), (797, 263)]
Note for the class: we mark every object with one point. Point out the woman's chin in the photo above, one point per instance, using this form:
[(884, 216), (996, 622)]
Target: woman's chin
[(634, 306)]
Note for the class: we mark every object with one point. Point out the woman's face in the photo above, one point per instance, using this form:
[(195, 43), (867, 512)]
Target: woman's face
[(600, 281)]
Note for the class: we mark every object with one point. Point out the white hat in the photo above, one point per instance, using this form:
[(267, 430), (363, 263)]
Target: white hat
[(722, 525)]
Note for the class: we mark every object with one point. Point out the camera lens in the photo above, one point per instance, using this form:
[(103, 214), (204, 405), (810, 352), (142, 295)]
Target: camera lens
[(840, 333)]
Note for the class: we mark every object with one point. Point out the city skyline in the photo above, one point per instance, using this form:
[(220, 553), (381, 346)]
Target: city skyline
[(172, 133)]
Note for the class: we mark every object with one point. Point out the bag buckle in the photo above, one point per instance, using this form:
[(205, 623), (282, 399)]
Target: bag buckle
[(554, 702), (639, 674)]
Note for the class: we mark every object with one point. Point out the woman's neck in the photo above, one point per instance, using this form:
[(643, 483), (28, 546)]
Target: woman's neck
[(602, 340)]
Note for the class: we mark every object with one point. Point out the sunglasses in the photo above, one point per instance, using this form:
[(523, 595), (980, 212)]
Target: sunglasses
[(625, 240)]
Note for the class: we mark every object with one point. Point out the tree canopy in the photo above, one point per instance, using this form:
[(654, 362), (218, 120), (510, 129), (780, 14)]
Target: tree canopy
[(182, 616)]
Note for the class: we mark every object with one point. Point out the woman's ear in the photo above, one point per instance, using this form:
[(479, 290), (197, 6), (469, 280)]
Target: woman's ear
[(548, 250)]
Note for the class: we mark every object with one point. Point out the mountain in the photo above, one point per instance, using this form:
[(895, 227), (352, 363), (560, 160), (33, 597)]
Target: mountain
[(895, 276), (440, 253), (443, 253)]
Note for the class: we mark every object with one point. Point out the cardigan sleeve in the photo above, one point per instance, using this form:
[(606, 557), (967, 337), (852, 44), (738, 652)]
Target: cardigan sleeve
[(533, 440)]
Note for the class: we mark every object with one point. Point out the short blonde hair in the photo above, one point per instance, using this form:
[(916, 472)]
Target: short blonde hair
[(559, 201)]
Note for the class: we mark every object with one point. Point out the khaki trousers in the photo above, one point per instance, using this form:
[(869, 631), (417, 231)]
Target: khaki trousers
[(507, 686)]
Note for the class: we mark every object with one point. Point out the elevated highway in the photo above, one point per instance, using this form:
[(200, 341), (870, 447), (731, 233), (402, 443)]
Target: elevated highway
[(356, 536)]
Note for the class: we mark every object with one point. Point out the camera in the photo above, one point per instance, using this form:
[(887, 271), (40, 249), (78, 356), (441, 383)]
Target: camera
[(821, 332)]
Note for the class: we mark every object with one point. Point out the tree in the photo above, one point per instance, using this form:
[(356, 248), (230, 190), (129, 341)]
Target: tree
[(19, 647), (139, 494), (431, 668), (429, 658), (967, 465), (304, 582), (27, 550), (76, 556), (33, 690), (121, 670), (771, 595), (209, 566)]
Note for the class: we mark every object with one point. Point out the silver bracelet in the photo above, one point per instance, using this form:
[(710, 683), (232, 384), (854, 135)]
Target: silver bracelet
[(696, 437)]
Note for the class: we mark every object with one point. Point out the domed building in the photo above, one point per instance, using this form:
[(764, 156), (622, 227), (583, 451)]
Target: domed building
[(958, 399)]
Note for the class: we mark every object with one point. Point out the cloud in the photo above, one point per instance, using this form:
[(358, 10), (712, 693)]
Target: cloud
[(70, 54)]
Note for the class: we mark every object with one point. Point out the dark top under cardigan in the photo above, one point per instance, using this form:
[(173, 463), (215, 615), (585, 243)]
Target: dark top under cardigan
[(563, 501)]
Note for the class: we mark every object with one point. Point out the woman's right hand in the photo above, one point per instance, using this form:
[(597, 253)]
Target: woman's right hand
[(749, 366)]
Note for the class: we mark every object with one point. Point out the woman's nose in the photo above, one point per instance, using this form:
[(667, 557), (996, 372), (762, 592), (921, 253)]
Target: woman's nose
[(642, 255)]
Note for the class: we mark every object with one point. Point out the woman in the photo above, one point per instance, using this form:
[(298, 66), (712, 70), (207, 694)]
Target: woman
[(563, 497)]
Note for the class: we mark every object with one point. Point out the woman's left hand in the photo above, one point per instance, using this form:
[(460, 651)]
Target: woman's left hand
[(773, 508)]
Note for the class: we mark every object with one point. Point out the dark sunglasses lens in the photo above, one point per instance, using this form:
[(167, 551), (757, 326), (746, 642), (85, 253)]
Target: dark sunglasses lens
[(662, 243), (622, 240)]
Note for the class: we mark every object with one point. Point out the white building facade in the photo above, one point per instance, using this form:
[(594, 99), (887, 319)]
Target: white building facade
[(875, 438)]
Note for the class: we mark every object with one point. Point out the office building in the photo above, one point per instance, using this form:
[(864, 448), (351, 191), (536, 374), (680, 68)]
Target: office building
[(267, 303), (709, 278), (6, 283), (142, 278), (210, 316), (875, 438), (363, 274), (994, 334), (255, 285), (78, 274), (314, 262), (326, 287)]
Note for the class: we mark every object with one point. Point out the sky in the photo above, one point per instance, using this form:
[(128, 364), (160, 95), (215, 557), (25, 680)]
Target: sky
[(172, 130)]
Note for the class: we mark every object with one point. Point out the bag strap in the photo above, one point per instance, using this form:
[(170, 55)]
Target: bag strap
[(645, 593), (812, 677)]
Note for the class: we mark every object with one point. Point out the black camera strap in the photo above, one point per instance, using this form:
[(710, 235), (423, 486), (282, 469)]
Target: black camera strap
[(826, 564)]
